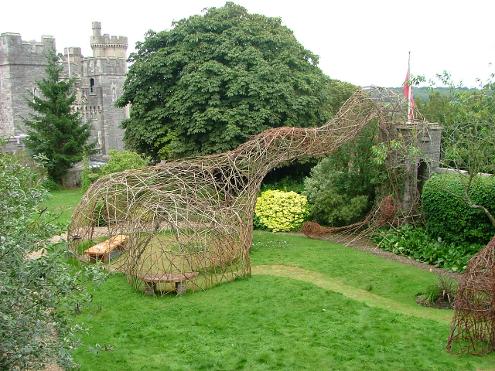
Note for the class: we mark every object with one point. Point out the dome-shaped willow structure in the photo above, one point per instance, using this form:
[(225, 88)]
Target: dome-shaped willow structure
[(473, 325), (190, 221)]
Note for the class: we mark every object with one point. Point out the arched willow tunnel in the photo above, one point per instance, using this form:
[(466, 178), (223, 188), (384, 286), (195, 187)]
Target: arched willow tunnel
[(190, 221)]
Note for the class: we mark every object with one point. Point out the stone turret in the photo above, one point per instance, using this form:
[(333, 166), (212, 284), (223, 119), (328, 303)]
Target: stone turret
[(427, 137), (102, 79), (106, 45), (22, 63)]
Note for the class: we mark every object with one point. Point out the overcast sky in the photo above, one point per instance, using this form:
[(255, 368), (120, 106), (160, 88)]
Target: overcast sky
[(363, 42)]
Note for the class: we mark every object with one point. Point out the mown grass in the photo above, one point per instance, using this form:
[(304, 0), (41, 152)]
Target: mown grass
[(268, 322), (356, 268), (61, 204), (259, 323)]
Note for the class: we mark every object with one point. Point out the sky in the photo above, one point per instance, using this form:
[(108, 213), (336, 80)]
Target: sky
[(362, 42)]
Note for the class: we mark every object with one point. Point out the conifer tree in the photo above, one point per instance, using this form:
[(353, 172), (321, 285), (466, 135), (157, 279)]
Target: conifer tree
[(54, 129)]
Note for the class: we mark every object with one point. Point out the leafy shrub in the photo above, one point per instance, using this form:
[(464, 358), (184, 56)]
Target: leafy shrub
[(341, 188), (123, 160), (439, 295), (285, 184), (448, 215), (281, 211), (118, 161), (33, 292), (416, 243), (51, 185), (290, 177)]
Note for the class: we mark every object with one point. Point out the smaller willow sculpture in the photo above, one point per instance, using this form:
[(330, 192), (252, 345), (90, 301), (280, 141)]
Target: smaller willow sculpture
[(190, 221), (473, 325)]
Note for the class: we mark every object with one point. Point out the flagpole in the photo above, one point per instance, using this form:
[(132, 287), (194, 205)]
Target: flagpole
[(68, 60)]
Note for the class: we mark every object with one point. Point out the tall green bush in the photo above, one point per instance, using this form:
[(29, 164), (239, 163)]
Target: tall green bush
[(449, 216), (118, 161), (341, 188), (54, 129), (34, 293)]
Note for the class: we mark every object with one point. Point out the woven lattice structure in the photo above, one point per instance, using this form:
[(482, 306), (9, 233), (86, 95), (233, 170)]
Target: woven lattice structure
[(191, 220), (473, 325)]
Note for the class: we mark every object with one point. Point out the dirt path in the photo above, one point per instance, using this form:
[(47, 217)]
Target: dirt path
[(335, 285)]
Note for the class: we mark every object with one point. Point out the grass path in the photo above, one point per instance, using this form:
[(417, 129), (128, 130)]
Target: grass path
[(335, 285)]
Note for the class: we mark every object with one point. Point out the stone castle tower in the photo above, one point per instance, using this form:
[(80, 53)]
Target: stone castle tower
[(21, 64), (99, 81)]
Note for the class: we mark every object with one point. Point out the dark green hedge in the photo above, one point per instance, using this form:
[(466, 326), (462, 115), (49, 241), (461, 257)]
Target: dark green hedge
[(447, 214)]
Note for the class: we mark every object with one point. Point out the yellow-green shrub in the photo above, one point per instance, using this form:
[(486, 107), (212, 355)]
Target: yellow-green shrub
[(281, 211)]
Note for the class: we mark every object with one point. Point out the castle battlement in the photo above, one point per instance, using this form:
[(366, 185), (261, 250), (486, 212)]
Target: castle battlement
[(98, 83), (14, 50), (107, 45)]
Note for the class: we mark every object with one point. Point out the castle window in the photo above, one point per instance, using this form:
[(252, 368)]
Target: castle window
[(91, 85), (35, 93), (114, 94)]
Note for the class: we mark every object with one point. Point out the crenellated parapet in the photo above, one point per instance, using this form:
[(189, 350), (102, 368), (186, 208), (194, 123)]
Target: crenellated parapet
[(107, 45), (14, 50), (98, 79)]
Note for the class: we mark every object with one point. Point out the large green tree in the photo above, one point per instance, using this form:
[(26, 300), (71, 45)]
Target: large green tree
[(54, 129), (215, 79)]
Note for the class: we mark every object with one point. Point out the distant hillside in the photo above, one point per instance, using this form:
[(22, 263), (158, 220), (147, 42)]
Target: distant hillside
[(424, 92)]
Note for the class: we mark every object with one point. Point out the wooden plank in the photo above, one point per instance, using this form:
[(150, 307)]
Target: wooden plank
[(107, 246)]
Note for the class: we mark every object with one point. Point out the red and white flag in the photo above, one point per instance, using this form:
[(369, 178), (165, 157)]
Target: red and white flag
[(408, 92)]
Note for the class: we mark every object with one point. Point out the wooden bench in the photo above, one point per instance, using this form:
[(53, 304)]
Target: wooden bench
[(151, 281), (102, 250)]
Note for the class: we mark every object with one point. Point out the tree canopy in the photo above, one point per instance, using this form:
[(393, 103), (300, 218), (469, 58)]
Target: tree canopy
[(215, 79), (54, 129), (468, 138), (468, 120)]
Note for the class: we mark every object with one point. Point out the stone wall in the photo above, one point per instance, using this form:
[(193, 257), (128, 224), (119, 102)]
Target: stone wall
[(428, 138), (99, 82), (22, 63)]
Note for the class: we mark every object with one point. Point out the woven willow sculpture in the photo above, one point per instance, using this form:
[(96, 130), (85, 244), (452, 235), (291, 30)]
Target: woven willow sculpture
[(190, 221), (473, 325)]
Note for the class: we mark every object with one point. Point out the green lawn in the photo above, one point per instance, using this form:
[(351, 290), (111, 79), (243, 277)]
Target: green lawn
[(338, 321), (61, 203)]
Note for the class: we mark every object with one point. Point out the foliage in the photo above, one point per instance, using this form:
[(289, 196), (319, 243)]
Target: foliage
[(342, 187), (440, 295), (450, 217), (60, 204), (118, 161), (468, 120), (286, 184), (291, 177), (88, 176), (54, 130), (214, 80), (123, 160), (468, 145), (34, 293), (417, 243), (338, 92), (281, 211)]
